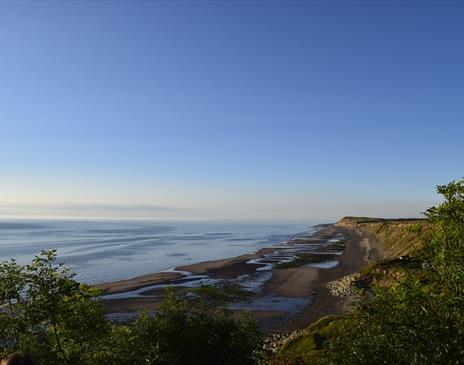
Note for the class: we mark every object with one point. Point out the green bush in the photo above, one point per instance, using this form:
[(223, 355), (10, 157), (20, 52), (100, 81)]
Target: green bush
[(306, 258), (184, 332), (420, 319), (221, 293), (45, 312)]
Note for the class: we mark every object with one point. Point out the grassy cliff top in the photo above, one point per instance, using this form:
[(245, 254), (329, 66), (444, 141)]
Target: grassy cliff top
[(399, 236), (349, 220)]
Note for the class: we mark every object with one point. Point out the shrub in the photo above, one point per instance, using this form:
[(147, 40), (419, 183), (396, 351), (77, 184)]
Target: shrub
[(420, 319), (44, 311)]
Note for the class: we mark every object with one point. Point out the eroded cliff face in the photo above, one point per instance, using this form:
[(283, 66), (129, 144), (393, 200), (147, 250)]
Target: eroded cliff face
[(398, 236)]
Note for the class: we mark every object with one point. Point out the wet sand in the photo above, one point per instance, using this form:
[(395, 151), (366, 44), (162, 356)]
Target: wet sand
[(223, 269), (299, 283), (228, 268), (139, 282), (360, 251)]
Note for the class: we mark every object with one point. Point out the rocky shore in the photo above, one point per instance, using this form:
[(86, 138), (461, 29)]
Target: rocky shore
[(273, 342), (343, 287)]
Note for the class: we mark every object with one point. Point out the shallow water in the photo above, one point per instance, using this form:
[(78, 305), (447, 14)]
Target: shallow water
[(272, 303), (107, 250), (324, 265), (193, 282)]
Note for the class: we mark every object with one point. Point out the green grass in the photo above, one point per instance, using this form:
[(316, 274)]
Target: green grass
[(311, 347), (306, 258), (399, 236), (221, 293), (386, 273), (336, 246)]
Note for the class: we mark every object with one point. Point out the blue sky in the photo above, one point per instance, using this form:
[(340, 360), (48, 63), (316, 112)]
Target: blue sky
[(229, 109)]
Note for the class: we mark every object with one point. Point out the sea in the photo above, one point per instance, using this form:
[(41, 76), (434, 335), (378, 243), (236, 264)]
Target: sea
[(107, 250)]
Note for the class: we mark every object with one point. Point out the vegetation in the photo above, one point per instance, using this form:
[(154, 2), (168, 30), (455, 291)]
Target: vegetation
[(398, 236), (420, 318), (307, 258), (336, 246), (412, 310), (190, 333), (45, 312), (221, 293), (311, 347), (388, 272)]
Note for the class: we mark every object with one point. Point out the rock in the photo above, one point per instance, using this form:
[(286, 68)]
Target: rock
[(343, 287)]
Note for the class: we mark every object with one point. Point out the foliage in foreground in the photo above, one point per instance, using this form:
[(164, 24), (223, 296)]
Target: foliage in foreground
[(45, 312), (420, 319), (310, 347), (414, 315)]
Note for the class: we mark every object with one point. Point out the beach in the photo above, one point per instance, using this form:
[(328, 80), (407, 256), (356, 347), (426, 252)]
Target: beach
[(283, 297)]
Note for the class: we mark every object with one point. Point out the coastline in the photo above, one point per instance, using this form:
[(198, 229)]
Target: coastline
[(286, 298), (361, 250), (139, 282)]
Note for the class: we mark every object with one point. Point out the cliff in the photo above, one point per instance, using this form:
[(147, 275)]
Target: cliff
[(398, 236)]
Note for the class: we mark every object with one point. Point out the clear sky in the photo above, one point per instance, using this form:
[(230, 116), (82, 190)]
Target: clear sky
[(229, 109)]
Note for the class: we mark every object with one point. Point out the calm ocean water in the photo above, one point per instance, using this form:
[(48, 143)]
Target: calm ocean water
[(104, 250)]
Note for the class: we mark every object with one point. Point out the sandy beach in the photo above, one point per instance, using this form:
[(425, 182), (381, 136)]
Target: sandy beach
[(360, 251), (295, 282), (228, 268), (139, 282), (288, 298)]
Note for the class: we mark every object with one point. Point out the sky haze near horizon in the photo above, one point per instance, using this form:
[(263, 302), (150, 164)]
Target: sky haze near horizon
[(267, 110)]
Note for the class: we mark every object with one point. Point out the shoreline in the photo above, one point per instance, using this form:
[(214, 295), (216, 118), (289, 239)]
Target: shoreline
[(361, 250), (285, 298)]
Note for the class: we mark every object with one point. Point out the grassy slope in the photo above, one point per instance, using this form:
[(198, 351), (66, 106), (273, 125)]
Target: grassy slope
[(396, 235), (310, 347), (400, 238)]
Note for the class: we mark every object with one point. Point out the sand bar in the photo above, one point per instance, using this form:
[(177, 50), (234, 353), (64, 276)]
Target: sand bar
[(306, 283), (228, 268), (138, 282)]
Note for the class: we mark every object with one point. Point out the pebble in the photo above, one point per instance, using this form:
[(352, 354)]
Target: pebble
[(343, 287), (275, 341)]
